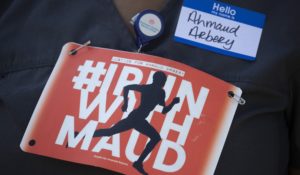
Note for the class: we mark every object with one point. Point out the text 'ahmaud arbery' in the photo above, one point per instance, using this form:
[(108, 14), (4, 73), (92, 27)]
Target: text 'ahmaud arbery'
[(211, 31)]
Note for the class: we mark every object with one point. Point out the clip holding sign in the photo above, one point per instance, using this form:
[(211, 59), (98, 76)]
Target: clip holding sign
[(239, 99), (74, 51)]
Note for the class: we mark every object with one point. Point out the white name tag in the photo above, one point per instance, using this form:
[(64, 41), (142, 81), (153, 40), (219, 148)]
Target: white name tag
[(220, 27)]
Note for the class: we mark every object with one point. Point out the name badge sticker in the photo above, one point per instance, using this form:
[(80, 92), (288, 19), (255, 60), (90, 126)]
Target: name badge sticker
[(220, 27)]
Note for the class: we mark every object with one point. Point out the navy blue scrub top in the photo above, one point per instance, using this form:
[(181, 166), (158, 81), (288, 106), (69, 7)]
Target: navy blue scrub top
[(265, 135)]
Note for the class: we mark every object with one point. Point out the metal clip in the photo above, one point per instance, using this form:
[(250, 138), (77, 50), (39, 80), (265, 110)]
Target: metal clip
[(140, 48), (74, 51), (239, 99), (133, 19)]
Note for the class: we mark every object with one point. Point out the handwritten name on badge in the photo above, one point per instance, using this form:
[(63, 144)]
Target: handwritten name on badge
[(221, 28), (198, 33)]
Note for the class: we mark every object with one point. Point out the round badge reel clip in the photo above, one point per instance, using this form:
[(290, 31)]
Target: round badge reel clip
[(148, 25)]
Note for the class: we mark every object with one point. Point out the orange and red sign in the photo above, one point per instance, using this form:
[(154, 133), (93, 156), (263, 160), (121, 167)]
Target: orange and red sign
[(191, 113)]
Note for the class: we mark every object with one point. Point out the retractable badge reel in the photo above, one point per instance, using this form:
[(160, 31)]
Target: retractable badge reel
[(148, 25)]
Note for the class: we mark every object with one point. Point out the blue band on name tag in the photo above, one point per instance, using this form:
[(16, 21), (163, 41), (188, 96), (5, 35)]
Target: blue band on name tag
[(220, 27), (227, 11)]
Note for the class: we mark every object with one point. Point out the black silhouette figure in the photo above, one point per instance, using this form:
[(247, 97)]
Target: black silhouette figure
[(151, 95)]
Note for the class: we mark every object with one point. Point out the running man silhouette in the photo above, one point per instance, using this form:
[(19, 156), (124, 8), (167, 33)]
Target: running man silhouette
[(151, 95)]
